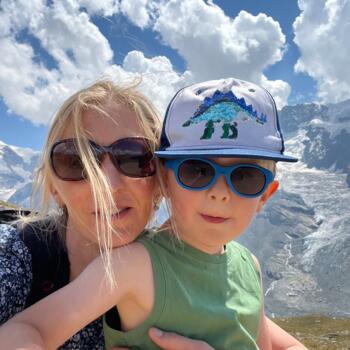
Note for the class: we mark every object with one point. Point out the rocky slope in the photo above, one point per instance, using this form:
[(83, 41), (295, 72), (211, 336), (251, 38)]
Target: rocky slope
[(302, 238)]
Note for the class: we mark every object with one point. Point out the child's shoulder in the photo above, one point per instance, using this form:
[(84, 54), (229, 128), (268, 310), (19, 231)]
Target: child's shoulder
[(238, 247), (244, 254)]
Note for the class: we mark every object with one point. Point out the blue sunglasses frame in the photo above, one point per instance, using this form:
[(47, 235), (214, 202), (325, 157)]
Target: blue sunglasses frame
[(174, 165)]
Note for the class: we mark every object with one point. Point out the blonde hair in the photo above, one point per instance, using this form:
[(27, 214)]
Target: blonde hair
[(95, 97)]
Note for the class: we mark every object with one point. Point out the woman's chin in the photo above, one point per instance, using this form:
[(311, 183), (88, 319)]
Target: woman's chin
[(123, 238)]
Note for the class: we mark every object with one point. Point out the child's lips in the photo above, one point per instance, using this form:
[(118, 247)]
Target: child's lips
[(213, 219)]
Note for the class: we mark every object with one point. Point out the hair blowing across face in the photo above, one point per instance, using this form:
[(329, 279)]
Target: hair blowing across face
[(95, 97)]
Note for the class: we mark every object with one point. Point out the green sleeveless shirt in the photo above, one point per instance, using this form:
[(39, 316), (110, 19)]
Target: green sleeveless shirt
[(215, 298)]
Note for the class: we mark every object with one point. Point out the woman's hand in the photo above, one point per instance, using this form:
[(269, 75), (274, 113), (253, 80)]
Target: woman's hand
[(173, 341)]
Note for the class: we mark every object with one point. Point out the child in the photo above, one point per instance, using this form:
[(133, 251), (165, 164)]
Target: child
[(219, 145)]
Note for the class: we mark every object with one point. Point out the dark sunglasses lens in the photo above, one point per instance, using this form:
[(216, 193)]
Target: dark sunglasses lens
[(66, 161), (195, 173), (247, 180), (134, 157)]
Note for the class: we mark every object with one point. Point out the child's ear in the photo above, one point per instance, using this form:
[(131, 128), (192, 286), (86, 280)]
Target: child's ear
[(270, 191)]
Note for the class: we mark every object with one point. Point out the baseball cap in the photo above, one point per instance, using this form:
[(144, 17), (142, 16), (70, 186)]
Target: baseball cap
[(222, 118)]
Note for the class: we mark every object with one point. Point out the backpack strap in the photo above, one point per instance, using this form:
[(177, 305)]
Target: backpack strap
[(50, 264), (9, 215)]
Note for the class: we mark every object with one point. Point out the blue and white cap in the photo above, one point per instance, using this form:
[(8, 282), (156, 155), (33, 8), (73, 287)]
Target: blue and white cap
[(223, 118)]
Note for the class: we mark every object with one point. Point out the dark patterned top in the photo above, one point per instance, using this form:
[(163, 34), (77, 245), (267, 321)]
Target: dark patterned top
[(15, 283)]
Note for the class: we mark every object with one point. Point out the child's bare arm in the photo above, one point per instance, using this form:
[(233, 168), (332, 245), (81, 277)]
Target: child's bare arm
[(51, 321)]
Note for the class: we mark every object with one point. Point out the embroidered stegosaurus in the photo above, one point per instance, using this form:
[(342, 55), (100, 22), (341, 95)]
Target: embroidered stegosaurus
[(223, 108)]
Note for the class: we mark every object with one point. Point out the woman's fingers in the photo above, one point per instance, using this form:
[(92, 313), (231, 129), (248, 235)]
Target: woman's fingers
[(173, 341)]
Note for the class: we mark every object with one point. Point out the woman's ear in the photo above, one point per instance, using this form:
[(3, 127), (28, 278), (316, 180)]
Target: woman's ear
[(163, 179), (270, 191), (56, 196), (157, 197)]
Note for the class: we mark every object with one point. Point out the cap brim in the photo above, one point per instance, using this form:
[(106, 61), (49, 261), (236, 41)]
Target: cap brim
[(239, 153)]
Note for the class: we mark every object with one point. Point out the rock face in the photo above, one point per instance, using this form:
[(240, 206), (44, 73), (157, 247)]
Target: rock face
[(302, 237), (327, 134), (324, 151), (279, 238)]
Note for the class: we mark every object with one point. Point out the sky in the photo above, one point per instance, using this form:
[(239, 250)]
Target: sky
[(298, 50)]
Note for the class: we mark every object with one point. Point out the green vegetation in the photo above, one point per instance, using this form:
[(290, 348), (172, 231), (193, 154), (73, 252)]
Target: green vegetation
[(318, 332)]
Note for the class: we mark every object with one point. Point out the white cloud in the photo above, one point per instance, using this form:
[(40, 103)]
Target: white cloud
[(322, 34), (138, 11), (100, 7), (73, 40), (16, 15), (279, 89), (216, 46), (23, 83), (159, 80), (212, 44), (81, 52)]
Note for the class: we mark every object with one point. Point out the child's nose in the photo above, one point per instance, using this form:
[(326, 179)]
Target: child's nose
[(220, 191)]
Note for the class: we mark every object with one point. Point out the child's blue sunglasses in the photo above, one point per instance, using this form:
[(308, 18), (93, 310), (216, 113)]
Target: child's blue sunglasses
[(197, 174)]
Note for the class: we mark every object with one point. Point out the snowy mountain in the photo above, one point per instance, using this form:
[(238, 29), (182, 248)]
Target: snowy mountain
[(302, 238), (324, 132), (17, 166)]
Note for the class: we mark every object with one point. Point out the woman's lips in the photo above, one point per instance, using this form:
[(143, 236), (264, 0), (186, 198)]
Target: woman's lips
[(213, 219), (119, 214)]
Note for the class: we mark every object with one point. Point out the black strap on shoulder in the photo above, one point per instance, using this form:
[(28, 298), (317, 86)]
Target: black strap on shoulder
[(9, 215), (50, 264)]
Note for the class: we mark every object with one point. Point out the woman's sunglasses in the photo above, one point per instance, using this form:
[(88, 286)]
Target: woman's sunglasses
[(196, 174), (132, 157)]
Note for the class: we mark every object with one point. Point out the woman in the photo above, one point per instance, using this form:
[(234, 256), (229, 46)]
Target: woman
[(97, 167), (118, 202)]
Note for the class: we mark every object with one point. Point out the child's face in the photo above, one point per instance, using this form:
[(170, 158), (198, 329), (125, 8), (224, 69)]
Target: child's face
[(210, 218)]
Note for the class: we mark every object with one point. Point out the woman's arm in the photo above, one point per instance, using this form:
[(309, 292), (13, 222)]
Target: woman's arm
[(172, 341), (281, 340), (263, 339), (51, 321)]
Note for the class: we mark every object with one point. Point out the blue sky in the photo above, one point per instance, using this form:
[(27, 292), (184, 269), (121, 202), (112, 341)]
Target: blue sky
[(298, 50)]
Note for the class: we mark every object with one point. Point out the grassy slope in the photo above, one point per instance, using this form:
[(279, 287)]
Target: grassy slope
[(318, 332)]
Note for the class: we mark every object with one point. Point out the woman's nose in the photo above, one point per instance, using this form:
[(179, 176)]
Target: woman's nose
[(114, 177)]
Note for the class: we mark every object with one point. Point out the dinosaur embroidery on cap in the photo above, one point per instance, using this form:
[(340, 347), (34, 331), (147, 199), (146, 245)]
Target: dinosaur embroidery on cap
[(227, 109)]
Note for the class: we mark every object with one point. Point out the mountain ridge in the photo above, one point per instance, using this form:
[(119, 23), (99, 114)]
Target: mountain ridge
[(302, 238)]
